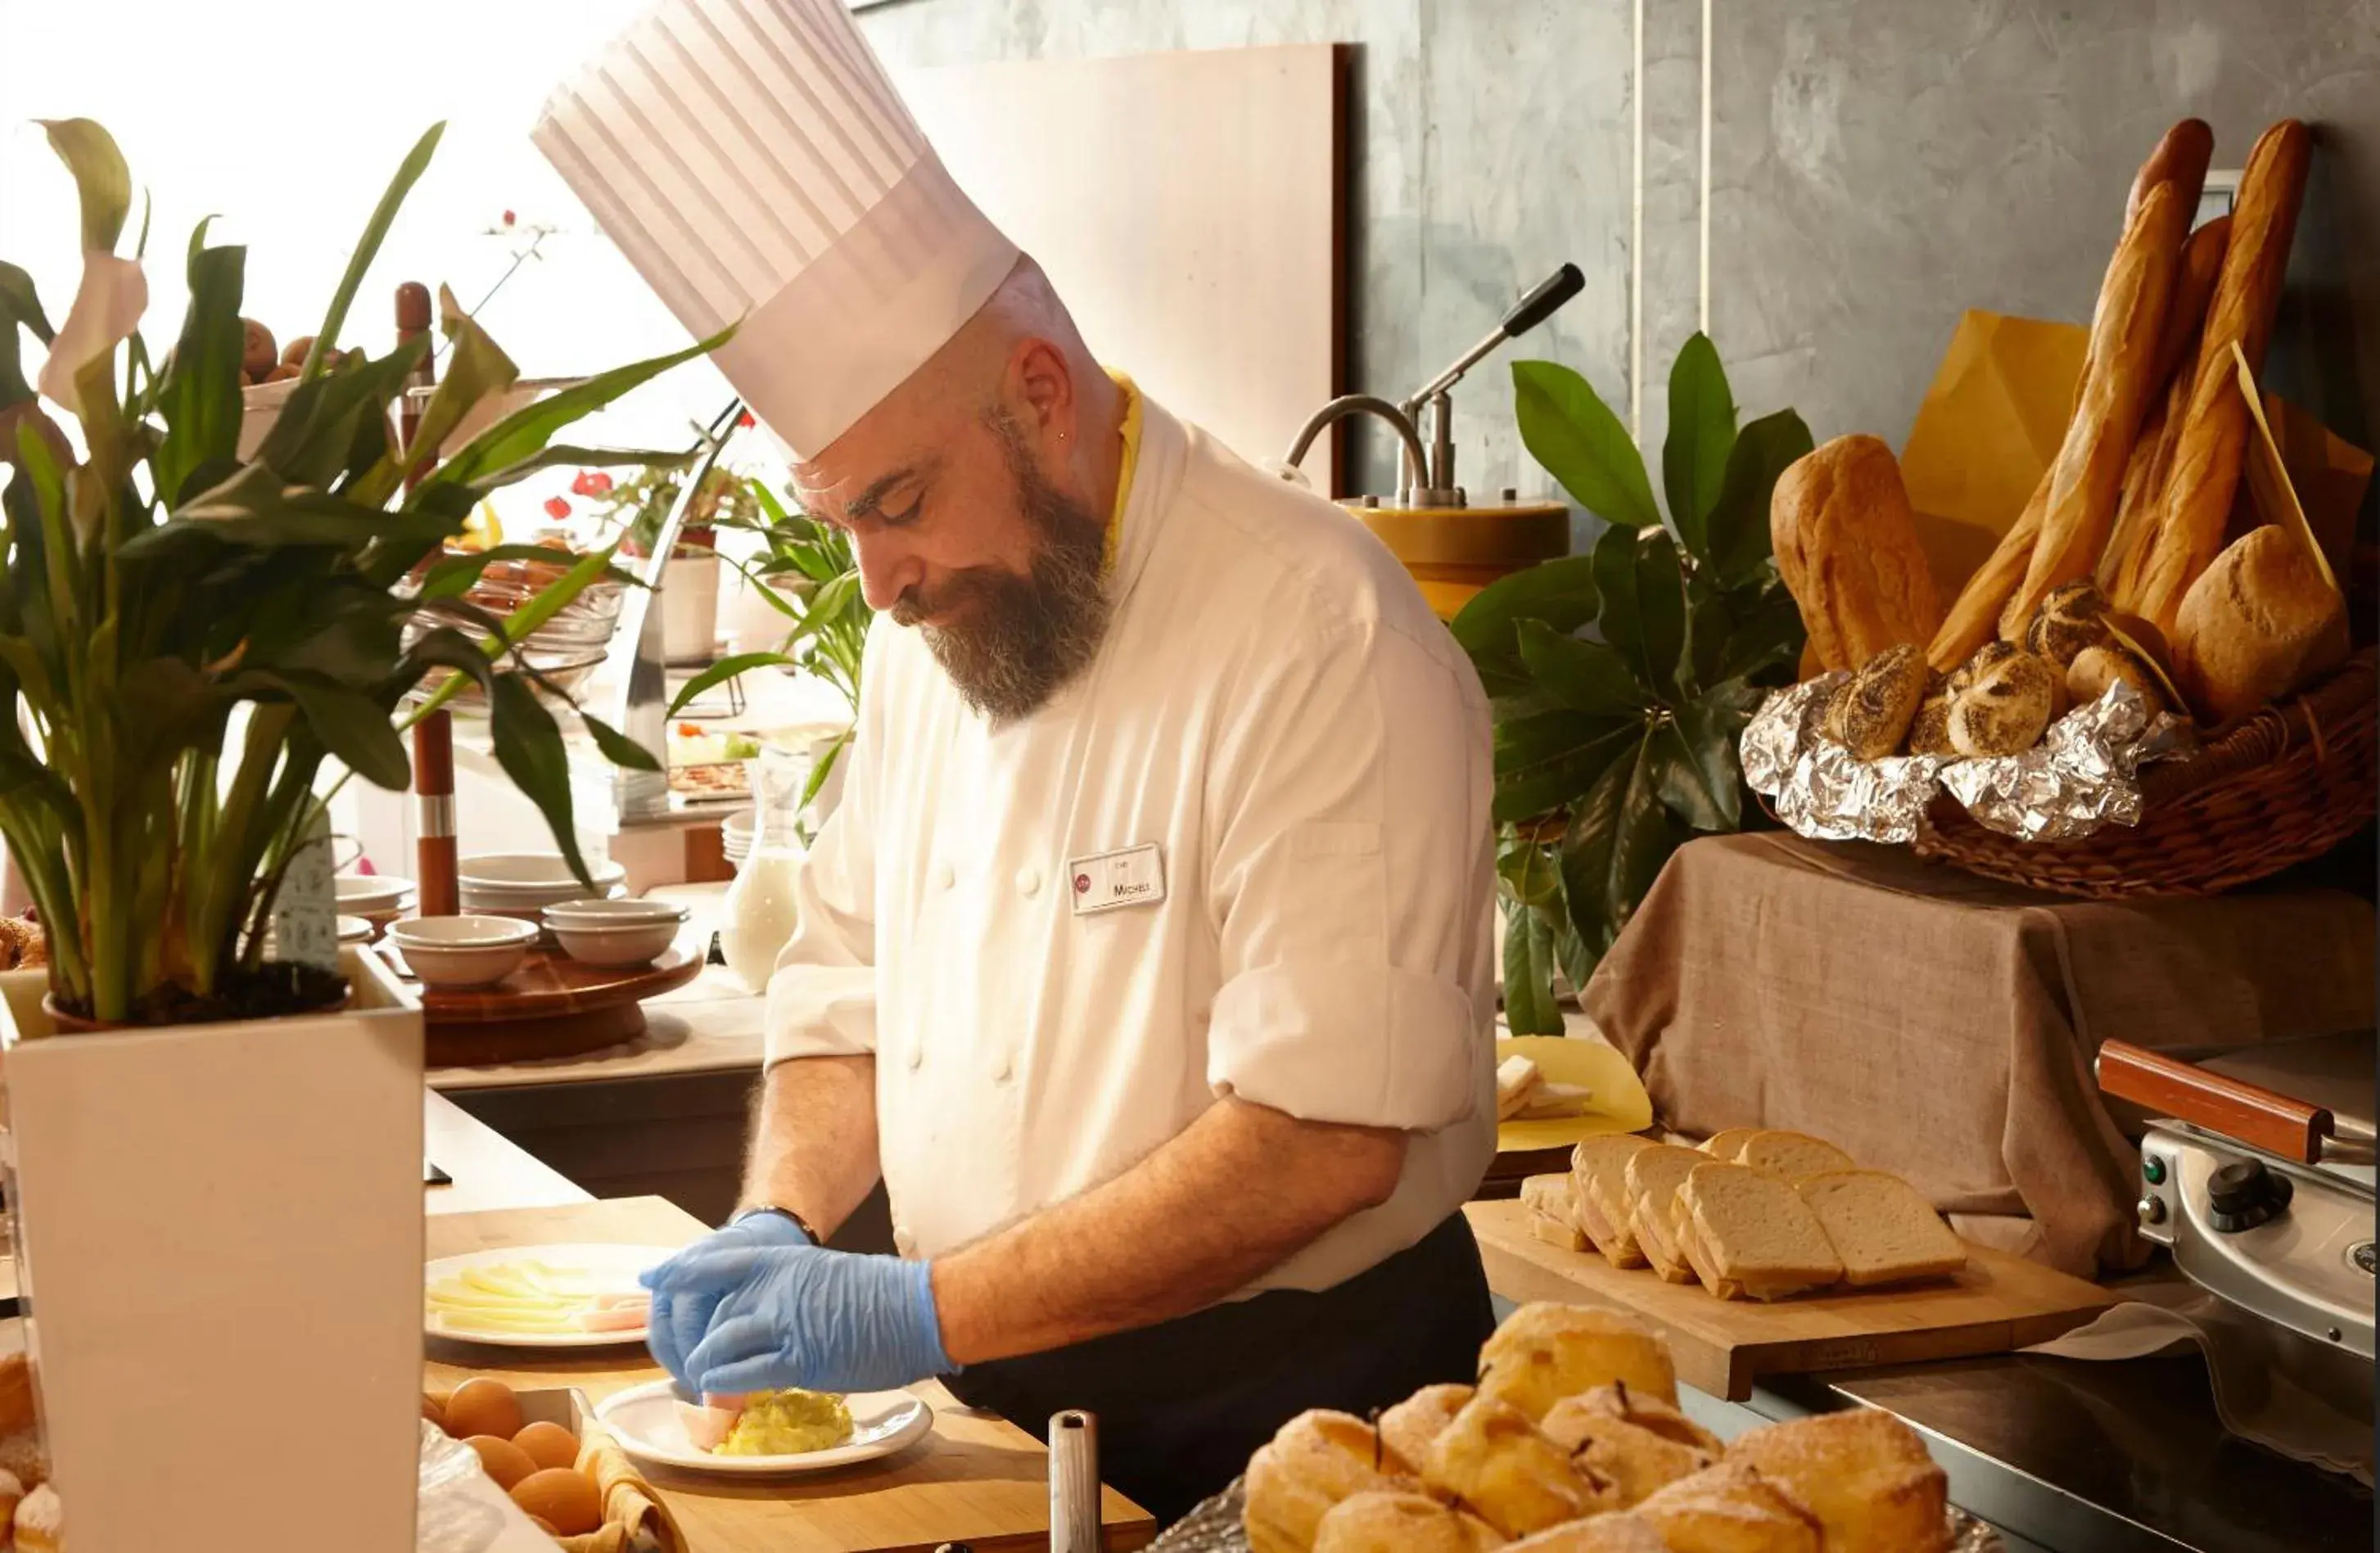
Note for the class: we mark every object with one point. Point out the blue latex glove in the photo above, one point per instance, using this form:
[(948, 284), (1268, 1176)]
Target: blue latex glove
[(824, 1320), (681, 1313)]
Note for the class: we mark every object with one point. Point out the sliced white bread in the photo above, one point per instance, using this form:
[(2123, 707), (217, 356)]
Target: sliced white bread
[(1549, 1100), (1516, 1079), (1750, 1228), (1652, 1176), (1792, 1155), (1552, 1217), (1725, 1144), (1882, 1228), (1599, 1194)]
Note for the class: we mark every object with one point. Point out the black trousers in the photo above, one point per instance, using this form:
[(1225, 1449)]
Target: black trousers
[(1182, 1404)]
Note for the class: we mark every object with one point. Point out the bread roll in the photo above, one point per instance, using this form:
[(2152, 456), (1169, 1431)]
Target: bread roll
[(1376, 1522), (1973, 618), (1929, 730), (1414, 1423), (1315, 1459), (2005, 707), (2086, 479), (1846, 545), (1544, 1352), (1862, 1472), (2257, 624), (2073, 617), (2188, 528), (1869, 713), (1494, 1461), (2095, 668)]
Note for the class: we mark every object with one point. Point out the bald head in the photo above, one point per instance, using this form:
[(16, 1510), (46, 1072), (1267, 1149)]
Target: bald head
[(976, 495)]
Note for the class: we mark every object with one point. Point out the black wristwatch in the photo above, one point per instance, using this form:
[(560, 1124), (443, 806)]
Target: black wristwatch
[(780, 1211)]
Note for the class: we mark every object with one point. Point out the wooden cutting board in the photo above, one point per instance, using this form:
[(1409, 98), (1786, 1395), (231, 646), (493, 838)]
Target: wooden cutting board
[(976, 1480), (1999, 1303)]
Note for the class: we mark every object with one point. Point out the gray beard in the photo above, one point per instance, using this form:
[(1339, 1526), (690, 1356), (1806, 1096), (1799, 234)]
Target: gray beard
[(1025, 636)]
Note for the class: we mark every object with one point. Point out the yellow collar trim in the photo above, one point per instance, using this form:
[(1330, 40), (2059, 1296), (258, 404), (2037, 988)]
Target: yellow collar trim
[(1131, 434)]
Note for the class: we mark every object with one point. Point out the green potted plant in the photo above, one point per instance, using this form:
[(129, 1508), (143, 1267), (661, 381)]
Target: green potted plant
[(193, 645), (635, 507), (1620, 678)]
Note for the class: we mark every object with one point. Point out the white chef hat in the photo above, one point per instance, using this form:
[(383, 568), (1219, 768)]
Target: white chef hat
[(753, 160)]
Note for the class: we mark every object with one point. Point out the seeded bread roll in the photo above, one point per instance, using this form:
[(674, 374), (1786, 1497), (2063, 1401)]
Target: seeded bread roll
[(1929, 730), (1869, 714), (2095, 668), (1989, 656), (2071, 618), (2004, 709), (2261, 622)]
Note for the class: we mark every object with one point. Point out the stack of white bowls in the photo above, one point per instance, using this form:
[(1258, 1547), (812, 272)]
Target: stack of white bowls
[(736, 837), (377, 899), (522, 884)]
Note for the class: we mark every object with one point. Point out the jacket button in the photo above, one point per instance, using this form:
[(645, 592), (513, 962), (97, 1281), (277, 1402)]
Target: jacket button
[(1028, 880), (945, 876), (916, 1058), (1004, 1073)]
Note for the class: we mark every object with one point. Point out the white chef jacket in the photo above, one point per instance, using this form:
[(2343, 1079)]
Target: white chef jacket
[(1277, 710)]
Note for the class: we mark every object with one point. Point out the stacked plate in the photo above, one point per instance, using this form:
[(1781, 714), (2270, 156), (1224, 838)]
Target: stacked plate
[(378, 899), (523, 884), (736, 837)]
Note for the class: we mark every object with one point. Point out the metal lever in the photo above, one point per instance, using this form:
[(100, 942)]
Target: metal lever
[(1074, 1483), (1546, 296)]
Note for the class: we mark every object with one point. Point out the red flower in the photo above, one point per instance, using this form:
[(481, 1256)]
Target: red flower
[(591, 483), (745, 420), (556, 507), (509, 218)]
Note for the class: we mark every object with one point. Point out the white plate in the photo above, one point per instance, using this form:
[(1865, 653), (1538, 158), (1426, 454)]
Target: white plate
[(644, 1420), (613, 1266)]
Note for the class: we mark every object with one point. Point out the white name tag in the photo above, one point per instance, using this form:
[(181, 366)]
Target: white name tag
[(1133, 877)]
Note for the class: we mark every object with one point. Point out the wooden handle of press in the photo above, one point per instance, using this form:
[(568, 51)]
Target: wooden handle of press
[(2186, 1092), (438, 892), (1075, 1482)]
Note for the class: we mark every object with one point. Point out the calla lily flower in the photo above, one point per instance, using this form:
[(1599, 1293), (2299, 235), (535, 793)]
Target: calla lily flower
[(107, 307)]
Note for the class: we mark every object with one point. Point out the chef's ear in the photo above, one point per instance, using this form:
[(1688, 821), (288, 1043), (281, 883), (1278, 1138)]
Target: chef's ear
[(1044, 380)]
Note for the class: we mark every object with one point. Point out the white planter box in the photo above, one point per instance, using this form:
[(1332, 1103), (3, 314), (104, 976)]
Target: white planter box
[(690, 607), (219, 1229)]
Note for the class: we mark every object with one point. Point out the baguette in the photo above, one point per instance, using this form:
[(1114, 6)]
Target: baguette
[(2195, 508), (2181, 159), (2086, 478), (2144, 481), (1975, 616)]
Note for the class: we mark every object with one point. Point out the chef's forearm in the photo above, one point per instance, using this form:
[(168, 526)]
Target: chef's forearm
[(814, 1139), (1234, 1195)]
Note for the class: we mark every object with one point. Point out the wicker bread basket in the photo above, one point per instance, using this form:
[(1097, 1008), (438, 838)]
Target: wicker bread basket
[(2285, 786)]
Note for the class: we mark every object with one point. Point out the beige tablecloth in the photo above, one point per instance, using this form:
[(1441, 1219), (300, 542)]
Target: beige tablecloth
[(1942, 1026)]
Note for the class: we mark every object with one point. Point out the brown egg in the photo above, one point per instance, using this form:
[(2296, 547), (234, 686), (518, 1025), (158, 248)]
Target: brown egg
[(542, 1524), (549, 1444), (481, 1406), (432, 1411), (505, 1462), (257, 352), (564, 1499)]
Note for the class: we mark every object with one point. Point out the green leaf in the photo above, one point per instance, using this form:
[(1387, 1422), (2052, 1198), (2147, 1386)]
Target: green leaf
[(1582, 444), (1702, 433), (525, 431), (1530, 1008), (383, 216), (1615, 580), (313, 437), (200, 398), (476, 366), (1769, 637), (617, 747), (1696, 796), (1615, 845), (823, 766), (562, 455), (725, 669), (20, 303), (453, 577), (1560, 592), (1739, 525), (1661, 611), (1571, 952), (1707, 732), (1544, 764), (102, 183), (353, 727), (1587, 676), (528, 746)]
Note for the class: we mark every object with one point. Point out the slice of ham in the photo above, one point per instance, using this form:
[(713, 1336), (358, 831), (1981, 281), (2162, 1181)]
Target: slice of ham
[(622, 1318), (707, 1426)]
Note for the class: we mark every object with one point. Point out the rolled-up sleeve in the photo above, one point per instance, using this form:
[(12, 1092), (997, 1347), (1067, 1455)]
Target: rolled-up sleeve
[(1352, 884), (822, 993)]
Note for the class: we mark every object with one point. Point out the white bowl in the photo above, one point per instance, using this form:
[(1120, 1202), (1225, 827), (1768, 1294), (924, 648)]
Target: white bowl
[(370, 894), (533, 873), (355, 930), (464, 951), (614, 932)]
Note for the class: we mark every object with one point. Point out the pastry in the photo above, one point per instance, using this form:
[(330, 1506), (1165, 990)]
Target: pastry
[(1544, 1352), (1315, 1459), (1869, 715), (1604, 1534), (2086, 478), (1411, 1426), (1376, 1522), (1649, 1413), (2095, 668), (1884, 1231), (2260, 622), (1862, 1472), (1493, 1461), (1731, 1509), (2073, 617), (2186, 532), (1846, 545), (1636, 1460), (40, 1522), (2004, 709)]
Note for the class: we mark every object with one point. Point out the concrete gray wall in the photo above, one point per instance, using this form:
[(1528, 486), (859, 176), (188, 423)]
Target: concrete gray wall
[(1876, 166)]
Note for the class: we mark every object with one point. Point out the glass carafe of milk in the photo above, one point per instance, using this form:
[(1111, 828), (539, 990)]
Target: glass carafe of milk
[(759, 915)]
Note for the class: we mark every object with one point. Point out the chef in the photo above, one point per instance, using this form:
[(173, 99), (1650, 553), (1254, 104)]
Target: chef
[(1147, 957)]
